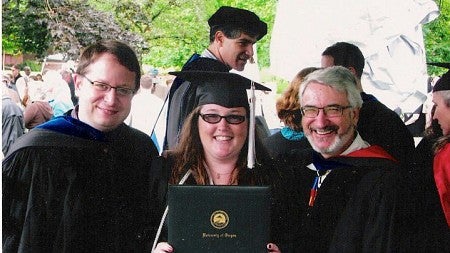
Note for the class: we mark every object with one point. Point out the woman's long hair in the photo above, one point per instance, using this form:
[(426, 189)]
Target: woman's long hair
[(440, 143), (189, 154)]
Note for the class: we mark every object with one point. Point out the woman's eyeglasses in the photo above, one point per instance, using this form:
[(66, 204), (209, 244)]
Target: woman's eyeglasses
[(216, 118)]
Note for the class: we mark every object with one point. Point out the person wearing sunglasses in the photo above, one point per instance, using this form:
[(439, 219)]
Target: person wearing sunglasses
[(79, 182), (214, 141)]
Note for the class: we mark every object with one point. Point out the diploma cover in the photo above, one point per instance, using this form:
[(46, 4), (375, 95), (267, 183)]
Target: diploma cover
[(218, 218)]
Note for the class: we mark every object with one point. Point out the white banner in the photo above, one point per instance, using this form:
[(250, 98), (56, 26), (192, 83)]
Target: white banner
[(388, 32)]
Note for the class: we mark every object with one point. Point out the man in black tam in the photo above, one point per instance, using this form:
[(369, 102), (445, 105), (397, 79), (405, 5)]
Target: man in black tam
[(233, 32)]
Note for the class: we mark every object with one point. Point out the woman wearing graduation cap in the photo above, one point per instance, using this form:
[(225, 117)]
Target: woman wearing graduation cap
[(434, 163), (217, 145)]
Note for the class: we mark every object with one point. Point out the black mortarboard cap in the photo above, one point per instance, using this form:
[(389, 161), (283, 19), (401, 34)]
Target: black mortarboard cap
[(222, 88), (444, 82), (239, 18)]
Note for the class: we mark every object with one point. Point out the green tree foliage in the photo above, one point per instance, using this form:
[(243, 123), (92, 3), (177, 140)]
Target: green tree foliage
[(175, 29), (437, 38), (164, 32), (58, 26), (24, 27)]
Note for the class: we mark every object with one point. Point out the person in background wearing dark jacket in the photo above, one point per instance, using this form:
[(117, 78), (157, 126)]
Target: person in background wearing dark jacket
[(291, 136), (232, 34), (80, 182), (12, 120)]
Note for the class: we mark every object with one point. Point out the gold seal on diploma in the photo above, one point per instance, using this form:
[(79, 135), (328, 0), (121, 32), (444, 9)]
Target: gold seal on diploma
[(219, 219)]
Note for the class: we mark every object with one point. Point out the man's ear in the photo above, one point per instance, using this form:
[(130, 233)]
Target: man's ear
[(352, 69), (219, 37), (77, 79), (355, 115)]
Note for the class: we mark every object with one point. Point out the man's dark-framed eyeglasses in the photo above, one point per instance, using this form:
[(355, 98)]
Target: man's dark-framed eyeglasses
[(216, 118), (103, 87), (329, 111)]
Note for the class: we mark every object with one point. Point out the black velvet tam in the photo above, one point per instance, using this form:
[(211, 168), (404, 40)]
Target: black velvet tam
[(444, 82), (238, 18)]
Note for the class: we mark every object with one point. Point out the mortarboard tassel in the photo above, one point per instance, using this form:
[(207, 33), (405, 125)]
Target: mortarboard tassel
[(251, 134)]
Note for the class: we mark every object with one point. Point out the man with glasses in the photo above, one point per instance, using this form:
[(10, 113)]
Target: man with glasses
[(342, 194), (377, 124), (80, 182)]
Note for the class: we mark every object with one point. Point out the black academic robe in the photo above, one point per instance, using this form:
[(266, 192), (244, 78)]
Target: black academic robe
[(277, 144), (354, 210), (379, 125), (64, 193), (433, 233), (183, 100)]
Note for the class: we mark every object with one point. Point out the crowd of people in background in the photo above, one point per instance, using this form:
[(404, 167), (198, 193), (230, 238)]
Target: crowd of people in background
[(40, 97), (82, 170)]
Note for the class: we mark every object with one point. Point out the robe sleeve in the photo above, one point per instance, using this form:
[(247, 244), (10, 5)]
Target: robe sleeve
[(29, 200)]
